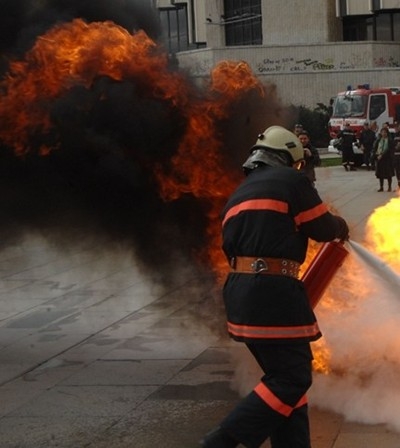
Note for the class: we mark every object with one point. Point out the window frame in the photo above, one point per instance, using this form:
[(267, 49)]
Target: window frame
[(243, 22), (175, 35)]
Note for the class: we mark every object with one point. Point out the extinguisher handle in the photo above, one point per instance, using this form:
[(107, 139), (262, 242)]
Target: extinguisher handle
[(344, 232)]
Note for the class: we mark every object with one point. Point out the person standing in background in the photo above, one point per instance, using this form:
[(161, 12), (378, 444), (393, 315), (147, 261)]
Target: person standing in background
[(347, 137), (311, 156), (367, 140), (297, 129), (374, 127), (396, 154), (384, 159)]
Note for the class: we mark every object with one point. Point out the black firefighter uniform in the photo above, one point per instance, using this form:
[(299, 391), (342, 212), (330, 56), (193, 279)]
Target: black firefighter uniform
[(272, 214)]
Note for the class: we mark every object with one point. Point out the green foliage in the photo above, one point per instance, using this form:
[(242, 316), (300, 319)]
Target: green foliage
[(315, 121), (331, 161)]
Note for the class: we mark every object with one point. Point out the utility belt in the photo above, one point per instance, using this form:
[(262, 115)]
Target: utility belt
[(269, 266)]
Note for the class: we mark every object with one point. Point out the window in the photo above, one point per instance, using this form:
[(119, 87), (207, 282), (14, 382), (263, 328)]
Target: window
[(377, 106), (342, 8), (383, 26), (355, 28), (396, 26), (174, 23), (370, 23), (376, 4), (242, 20), (349, 106)]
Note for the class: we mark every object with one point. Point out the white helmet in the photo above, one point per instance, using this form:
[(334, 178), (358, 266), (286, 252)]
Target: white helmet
[(275, 146), (280, 139)]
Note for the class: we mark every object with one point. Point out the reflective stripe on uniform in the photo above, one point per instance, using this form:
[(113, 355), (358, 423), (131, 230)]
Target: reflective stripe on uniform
[(272, 400), (303, 400), (257, 204), (275, 206), (275, 403), (311, 214), (264, 332)]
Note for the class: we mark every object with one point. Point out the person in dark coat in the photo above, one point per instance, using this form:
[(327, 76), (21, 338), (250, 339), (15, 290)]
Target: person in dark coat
[(367, 140), (396, 153), (311, 156), (266, 225), (347, 137), (384, 168)]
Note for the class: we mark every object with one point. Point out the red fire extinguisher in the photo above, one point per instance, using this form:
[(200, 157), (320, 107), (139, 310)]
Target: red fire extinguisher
[(322, 269)]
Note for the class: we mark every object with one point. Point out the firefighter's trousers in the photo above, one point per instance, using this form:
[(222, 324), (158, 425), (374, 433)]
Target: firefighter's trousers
[(277, 406)]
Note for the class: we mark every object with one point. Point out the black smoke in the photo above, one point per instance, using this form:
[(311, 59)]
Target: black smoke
[(99, 182), (22, 21), (99, 185)]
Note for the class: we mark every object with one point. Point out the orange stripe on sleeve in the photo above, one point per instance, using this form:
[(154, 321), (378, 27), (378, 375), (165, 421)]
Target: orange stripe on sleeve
[(311, 214), (256, 204)]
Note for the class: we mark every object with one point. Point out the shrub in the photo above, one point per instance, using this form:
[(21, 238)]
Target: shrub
[(315, 121)]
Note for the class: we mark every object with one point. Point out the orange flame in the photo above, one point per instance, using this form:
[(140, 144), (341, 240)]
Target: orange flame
[(198, 167), (382, 232), (76, 53), (382, 229)]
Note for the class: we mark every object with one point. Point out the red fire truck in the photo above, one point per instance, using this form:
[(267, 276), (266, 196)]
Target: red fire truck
[(356, 106)]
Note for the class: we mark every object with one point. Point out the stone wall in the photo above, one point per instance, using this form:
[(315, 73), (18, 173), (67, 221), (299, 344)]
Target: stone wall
[(299, 21)]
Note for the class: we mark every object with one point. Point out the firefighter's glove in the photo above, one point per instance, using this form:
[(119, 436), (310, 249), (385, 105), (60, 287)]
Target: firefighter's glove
[(343, 229)]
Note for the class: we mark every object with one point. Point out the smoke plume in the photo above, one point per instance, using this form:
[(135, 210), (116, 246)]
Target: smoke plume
[(22, 21), (82, 152)]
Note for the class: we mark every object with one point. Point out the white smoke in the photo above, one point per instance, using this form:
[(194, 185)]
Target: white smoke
[(363, 384)]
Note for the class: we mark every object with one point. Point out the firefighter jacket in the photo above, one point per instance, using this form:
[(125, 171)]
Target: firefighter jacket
[(273, 213), (367, 138), (347, 138)]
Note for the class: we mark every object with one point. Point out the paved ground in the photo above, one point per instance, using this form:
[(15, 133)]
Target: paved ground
[(94, 354)]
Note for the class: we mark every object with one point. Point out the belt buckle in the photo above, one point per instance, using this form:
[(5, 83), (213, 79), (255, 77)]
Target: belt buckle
[(259, 265)]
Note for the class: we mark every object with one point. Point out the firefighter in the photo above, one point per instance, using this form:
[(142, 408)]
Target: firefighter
[(347, 137), (266, 225)]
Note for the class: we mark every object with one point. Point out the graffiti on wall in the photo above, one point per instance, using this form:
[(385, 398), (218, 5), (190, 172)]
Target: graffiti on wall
[(299, 65), (290, 64), (354, 61), (383, 62)]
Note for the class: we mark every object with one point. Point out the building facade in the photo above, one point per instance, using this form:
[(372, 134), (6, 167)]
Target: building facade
[(310, 49)]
